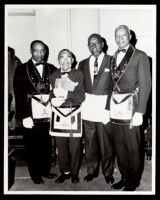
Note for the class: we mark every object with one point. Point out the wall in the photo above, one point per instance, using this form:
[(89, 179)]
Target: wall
[(138, 19), (69, 27), (21, 31), (53, 28), (84, 22)]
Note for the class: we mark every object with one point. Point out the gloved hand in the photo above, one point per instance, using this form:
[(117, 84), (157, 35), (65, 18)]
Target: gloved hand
[(28, 122), (60, 92), (137, 119), (106, 118)]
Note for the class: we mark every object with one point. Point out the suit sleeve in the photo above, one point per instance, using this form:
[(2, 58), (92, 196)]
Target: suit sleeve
[(110, 89), (79, 68), (23, 109), (109, 93), (78, 94), (52, 83), (144, 83)]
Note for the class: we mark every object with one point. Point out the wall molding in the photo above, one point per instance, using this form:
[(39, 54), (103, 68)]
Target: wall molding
[(21, 12)]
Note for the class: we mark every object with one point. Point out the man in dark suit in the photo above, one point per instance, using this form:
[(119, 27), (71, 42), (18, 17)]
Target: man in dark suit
[(131, 84), (31, 79), (97, 141), (68, 95)]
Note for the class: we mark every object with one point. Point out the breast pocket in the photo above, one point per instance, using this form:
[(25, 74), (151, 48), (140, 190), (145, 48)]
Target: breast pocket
[(106, 70), (104, 79)]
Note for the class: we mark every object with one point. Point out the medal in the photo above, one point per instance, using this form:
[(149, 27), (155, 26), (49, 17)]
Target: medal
[(41, 86)]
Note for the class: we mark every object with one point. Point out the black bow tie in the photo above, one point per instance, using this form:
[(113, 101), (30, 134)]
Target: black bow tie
[(40, 63), (121, 50), (63, 73)]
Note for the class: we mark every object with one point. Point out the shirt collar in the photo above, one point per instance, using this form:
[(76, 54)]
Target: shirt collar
[(100, 57), (34, 62), (64, 71), (127, 47)]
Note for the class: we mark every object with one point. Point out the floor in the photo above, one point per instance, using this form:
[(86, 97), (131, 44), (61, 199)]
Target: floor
[(23, 183)]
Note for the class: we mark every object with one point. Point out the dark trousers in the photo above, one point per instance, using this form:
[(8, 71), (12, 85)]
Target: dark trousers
[(127, 150), (69, 149), (38, 149), (54, 156), (98, 145)]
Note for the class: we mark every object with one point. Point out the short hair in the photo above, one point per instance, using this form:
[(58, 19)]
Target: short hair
[(65, 50), (96, 35), (123, 27), (37, 41)]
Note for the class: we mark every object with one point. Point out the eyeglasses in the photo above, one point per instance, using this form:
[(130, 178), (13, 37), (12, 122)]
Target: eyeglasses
[(68, 59)]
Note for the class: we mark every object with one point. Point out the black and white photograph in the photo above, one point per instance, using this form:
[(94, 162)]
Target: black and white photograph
[(80, 99)]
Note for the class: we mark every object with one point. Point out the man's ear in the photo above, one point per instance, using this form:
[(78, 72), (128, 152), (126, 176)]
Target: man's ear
[(72, 60), (102, 44)]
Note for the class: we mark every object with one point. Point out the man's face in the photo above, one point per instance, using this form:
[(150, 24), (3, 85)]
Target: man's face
[(122, 38), (38, 52), (95, 46), (65, 60)]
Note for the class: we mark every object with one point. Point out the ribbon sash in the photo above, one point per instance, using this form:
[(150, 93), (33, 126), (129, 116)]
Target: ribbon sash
[(117, 72)]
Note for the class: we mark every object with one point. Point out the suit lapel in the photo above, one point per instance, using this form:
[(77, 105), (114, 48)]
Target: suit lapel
[(41, 85), (117, 72), (101, 69), (103, 65), (88, 74), (59, 73)]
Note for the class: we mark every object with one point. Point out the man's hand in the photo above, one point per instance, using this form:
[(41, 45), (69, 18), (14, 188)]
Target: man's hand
[(137, 119), (28, 122)]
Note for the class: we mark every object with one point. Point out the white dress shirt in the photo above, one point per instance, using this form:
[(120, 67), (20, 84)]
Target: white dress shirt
[(91, 64), (121, 55), (39, 68)]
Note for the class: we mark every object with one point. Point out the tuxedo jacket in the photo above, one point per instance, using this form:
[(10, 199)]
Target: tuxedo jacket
[(137, 74), (101, 85), (25, 83), (76, 96)]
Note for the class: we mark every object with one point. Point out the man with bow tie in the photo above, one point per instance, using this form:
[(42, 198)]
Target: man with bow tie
[(131, 85), (97, 140), (31, 84), (67, 93)]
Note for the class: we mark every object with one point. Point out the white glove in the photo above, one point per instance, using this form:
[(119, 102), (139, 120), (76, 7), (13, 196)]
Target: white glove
[(137, 119), (60, 92), (57, 102), (28, 122), (106, 118)]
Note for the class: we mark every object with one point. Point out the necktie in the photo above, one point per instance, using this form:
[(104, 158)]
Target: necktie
[(121, 50), (63, 73), (40, 63), (95, 68)]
